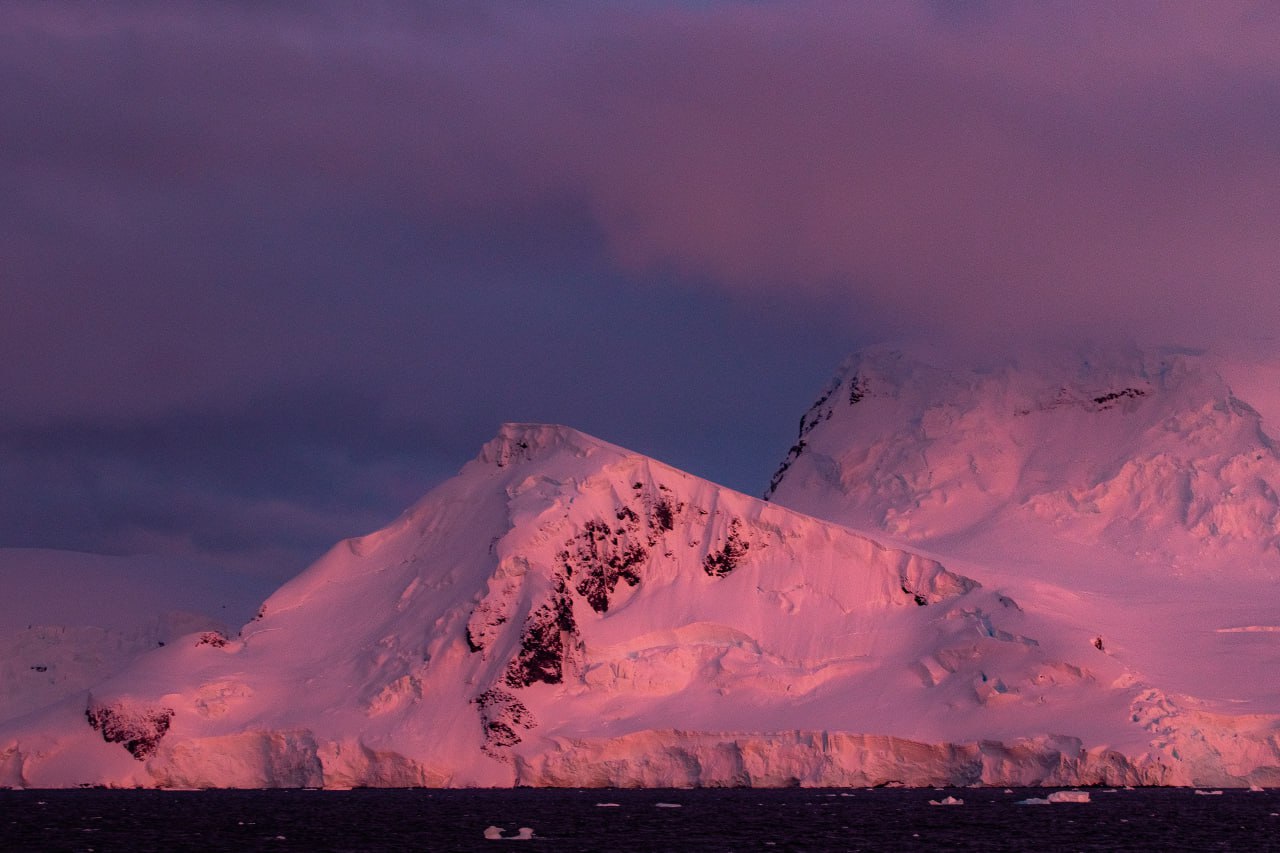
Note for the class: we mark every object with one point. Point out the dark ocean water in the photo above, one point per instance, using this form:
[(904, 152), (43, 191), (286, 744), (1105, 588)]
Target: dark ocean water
[(713, 820)]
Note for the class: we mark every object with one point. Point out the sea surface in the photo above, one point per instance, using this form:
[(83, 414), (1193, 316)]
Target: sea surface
[(595, 819)]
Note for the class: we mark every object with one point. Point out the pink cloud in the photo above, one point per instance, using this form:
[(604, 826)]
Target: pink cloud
[(1114, 167), (1052, 168)]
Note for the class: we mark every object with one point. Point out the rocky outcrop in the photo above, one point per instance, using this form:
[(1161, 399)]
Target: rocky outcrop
[(139, 729), (503, 717)]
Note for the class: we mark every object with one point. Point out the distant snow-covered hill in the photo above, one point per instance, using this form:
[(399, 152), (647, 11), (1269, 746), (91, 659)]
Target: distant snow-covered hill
[(69, 620)]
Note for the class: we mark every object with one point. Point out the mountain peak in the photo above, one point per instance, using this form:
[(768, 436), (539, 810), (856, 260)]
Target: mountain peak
[(518, 442)]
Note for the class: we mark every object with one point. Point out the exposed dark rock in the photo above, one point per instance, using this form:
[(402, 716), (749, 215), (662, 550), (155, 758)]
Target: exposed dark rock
[(724, 560), (663, 515), (776, 480), (502, 716), (1106, 401), (542, 646), (857, 389), (212, 638), (600, 556), (818, 412), (139, 730)]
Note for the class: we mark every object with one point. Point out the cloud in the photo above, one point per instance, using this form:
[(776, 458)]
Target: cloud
[(1077, 165), (432, 217), (1112, 163)]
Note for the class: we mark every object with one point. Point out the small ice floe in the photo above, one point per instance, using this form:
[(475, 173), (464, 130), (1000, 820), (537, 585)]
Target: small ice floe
[(494, 833), (606, 805), (1255, 789), (1008, 790), (1208, 793), (1069, 797), (1034, 801), (668, 805), (947, 801)]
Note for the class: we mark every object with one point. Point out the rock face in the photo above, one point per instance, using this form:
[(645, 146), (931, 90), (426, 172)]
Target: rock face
[(138, 730), (564, 612)]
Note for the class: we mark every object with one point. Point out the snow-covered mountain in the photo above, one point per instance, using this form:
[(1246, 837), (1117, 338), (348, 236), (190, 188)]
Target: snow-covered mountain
[(1151, 454), (1077, 585), (1132, 494), (564, 612)]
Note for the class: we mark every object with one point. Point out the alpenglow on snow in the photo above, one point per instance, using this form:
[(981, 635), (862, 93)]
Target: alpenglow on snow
[(1004, 590)]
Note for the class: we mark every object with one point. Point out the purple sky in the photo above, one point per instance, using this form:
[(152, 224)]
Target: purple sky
[(270, 271)]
